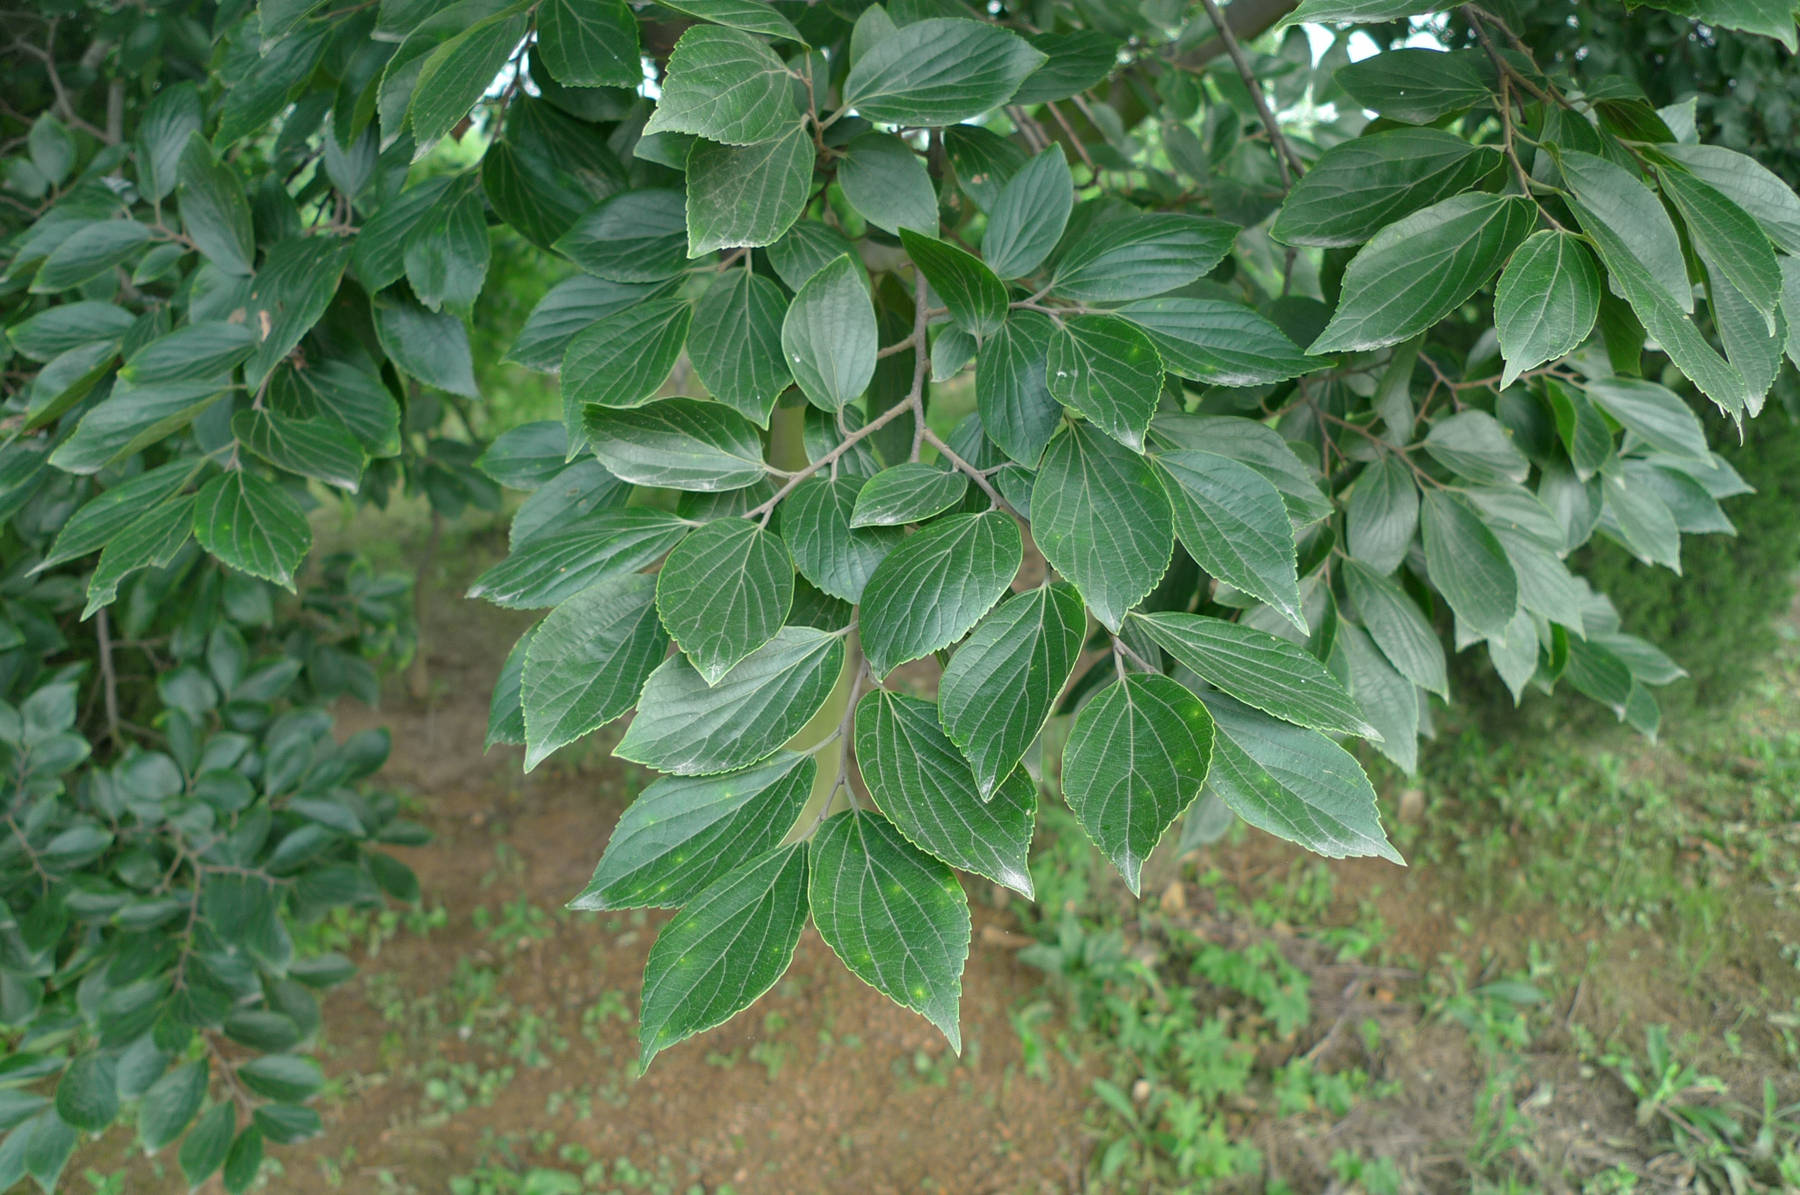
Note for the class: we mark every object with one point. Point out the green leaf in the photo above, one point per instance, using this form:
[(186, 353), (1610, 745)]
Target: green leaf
[(683, 834), (345, 394), (1747, 183), (1475, 445), (131, 418), (1101, 518), (459, 71), (725, 85), (976, 299), (1398, 628), (895, 916), (752, 16), (548, 569), (93, 250), (1728, 237), (315, 448), (1382, 517), (189, 354), (829, 335), (1296, 784), (112, 509), (746, 195), (577, 491), (1028, 218), (735, 343), (690, 728), (590, 43), (1012, 389), (1360, 186), (808, 247), (1653, 413), (1260, 447), (982, 160), (148, 541), (1752, 339), (1417, 271), (1545, 305), (1258, 669), (287, 1078), (1002, 684), (939, 72), (930, 590), (1355, 12), (1137, 756), (1417, 85), (1107, 369), (1637, 517), (635, 236), (678, 444), (432, 347), (566, 309), (724, 950), (908, 493), (1218, 343), (815, 523), (168, 123), (244, 1160), (1233, 522), (587, 662), (66, 381), (54, 331), (87, 1096), (1079, 60), (622, 360), (253, 525), (888, 184), (170, 1104), (924, 787), (1467, 564), (506, 713), (1141, 255), (297, 282), (1606, 193), (724, 592), (204, 1149), (1770, 18), (446, 253)]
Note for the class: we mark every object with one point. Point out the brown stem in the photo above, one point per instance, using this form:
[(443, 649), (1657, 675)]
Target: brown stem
[(109, 677), (1285, 157)]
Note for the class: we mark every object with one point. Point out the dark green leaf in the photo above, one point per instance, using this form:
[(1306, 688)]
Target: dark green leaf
[(1475, 445), (735, 343), (1101, 518), (590, 43), (288, 1078), (1382, 517), (1546, 302), (1218, 343), (587, 662), (1361, 186), (1107, 369), (316, 448), (131, 418), (907, 493), (895, 916), (683, 834), (723, 950), (1417, 85), (1002, 684), (728, 86), (93, 250), (548, 569), (1137, 756), (430, 346), (746, 195), (924, 787), (1029, 216), (1747, 183), (1467, 564), (252, 524), (939, 72), (204, 1149), (622, 360), (456, 73), (678, 443), (87, 1096), (446, 253), (724, 592), (1417, 271), (829, 335), (1012, 389), (976, 299), (1296, 784), (1398, 628), (189, 354), (149, 541), (815, 522), (690, 728), (566, 309), (752, 16), (1078, 61), (1653, 413), (635, 236), (928, 592), (170, 1104), (888, 184), (808, 247), (1142, 255), (1727, 236), (1233, 522)]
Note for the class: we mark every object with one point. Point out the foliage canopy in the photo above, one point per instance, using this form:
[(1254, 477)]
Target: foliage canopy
[(1087, 355)]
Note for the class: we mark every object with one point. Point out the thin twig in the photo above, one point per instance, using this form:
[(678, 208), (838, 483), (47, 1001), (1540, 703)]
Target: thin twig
[(1285, 157), (763, 510), (109, 677)]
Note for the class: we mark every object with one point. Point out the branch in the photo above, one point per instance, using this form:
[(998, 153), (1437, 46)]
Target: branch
[(1245, 20), (109, 678), (1285, 157), (762, 510)]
